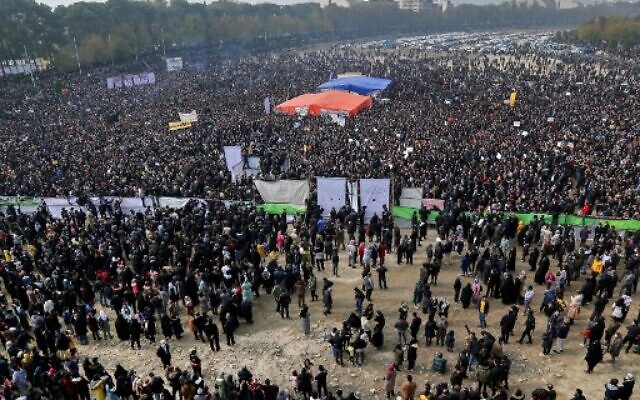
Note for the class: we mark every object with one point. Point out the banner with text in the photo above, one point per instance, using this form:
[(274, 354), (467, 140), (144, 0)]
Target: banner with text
[(176, 125), (120, 81)]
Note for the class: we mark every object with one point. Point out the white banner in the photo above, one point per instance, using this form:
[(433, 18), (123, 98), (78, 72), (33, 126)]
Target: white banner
[(232, 156), (331, 193), (172, 202), (190, 117), (236, 172), (174, 64), (267, 105), (352, 189), (115, 82), (284, 191), (411, 197), (374, 194), (253, 162)]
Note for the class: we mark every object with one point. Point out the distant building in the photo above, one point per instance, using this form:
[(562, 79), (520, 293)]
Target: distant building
[(442, 5), (411, 5)]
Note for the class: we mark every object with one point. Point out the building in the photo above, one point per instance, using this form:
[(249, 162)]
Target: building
[(412, 5)]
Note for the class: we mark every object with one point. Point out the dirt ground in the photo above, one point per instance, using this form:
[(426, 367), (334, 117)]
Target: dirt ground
[(272, 347)]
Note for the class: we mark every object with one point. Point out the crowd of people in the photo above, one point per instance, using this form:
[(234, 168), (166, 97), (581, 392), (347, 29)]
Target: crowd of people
[(573, 145), (201, 268)]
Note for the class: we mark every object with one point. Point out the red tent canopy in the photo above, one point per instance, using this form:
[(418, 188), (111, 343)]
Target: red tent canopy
[(331, 100)]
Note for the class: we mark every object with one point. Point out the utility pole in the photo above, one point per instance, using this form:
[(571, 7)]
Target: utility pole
[(164, 49), (110, 50), (75, 46), (26, 58)]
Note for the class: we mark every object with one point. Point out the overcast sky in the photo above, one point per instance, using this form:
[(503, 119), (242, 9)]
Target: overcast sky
[(55, 3)]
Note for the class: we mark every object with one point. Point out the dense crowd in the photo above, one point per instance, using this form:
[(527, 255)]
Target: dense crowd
[(575, 144), (201, 268)]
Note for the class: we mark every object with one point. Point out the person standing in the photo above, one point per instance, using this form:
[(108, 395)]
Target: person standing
[(321, 381), (367, 282), (230, 326), (412, 354), (213, 335), (382, 276), (408, 388), (283, 301), (196, 363), (528, 298), (390, 380), (627, 387), (561, 335), (300, 288), (313, 286), (335, 260), (164, 353), (483, 310), (305, 319), (457, 286), (327, 301), (335, 339), (135, 330)]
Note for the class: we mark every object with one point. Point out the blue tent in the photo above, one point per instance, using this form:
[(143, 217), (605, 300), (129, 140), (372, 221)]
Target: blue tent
[(357, 84)]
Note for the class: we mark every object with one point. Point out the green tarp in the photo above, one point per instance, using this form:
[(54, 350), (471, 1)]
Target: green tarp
[(575, 220), (290, 209)]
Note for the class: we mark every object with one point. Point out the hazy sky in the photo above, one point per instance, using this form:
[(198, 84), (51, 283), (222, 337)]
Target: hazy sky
[(54, 3)]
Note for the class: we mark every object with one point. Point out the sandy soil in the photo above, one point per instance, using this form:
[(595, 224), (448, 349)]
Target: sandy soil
[(272, 347)]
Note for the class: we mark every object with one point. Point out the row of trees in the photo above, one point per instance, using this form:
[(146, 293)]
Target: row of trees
[(610, 32), (121, 29)]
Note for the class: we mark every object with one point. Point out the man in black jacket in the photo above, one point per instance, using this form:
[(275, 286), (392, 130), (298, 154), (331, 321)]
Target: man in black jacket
[(135, 330), (164, 353), (211, 330), (321, 381)]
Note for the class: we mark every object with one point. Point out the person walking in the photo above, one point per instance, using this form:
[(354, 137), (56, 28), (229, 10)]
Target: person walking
[(529, 326), (593, 356)]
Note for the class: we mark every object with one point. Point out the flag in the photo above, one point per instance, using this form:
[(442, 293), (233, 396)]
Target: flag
[(267, 105)]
